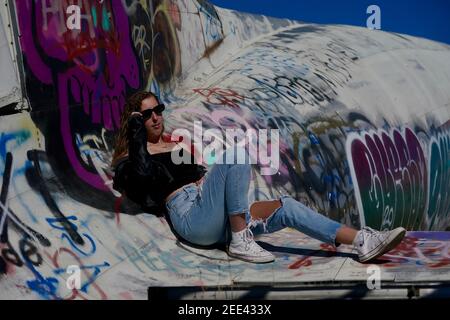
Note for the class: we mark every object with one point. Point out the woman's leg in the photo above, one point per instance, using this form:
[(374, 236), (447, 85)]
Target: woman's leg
[(294, 214), (221, 199), (261, 210), (271, 216)]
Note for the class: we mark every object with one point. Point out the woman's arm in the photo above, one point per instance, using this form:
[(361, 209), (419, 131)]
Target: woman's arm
[(143, 167), (138, 154)]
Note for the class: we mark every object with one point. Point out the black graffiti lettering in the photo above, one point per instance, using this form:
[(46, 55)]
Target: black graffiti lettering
[(311, 89), (28, 251), (6, 216), (4, 196), (27, 231), (355, 116), (10, 255), (326, 81), (51, 203)]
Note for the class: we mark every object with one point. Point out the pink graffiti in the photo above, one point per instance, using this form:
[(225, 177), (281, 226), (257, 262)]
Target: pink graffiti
[(90, 69)]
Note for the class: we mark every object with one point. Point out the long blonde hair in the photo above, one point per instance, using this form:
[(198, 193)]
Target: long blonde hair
[(133, 104)]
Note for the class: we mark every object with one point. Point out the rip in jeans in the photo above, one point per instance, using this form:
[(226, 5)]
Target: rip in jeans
[(253, 223)]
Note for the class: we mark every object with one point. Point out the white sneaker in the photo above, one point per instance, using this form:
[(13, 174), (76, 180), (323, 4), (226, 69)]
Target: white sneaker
[(372, 244), (243, 247)]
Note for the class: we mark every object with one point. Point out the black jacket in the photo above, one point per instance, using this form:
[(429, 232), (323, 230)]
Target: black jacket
[(139, 177)]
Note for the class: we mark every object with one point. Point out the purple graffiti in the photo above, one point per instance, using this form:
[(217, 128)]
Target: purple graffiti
[(389, 173), (90, 68)]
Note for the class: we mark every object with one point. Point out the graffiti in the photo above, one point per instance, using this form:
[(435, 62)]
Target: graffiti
[(303, 262), (83, 68), (46, 287), (396, 184), (28, 252), (57, 205), (313, 162), (141, 45), (295, 90), (315, 165), (323, 171), (154, 25), (90, 277), (50, 287), (313, 81), (439, 181), (317, 257), (427, 253), (390, 174), (212, 26), (52, 205), (27, 247), (64, 221), (223, 97), (95, 152), (3, 197)]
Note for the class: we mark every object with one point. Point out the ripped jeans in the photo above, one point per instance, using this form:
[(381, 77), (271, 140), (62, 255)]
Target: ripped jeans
[(199, 214)]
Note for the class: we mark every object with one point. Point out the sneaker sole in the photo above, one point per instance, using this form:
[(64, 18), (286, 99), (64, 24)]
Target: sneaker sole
[(394, 240), (252, 260)]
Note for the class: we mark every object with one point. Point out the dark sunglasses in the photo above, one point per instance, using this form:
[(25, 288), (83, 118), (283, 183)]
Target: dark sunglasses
[(147, 114)]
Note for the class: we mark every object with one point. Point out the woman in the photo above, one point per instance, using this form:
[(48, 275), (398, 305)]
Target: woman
[(203, 207)]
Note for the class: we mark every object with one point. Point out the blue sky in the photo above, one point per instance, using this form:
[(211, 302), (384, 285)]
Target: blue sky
[(423, 18)]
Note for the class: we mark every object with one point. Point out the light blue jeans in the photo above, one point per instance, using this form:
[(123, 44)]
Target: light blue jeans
[(199, 214)]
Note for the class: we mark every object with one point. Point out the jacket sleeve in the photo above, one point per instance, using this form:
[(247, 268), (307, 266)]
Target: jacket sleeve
[(143, 167), (140, 158)]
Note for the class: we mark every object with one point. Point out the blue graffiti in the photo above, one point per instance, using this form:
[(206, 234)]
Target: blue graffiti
[(52, 221), (46, 287), (74, 245), (92, 278)]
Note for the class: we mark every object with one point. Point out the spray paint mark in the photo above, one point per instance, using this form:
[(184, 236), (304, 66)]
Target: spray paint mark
[(33, 157)]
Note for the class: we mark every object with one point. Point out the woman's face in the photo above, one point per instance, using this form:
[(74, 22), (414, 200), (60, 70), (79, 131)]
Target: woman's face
[(154, 124)]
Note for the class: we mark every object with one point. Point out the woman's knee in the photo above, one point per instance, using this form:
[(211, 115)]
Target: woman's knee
[(293, 211)]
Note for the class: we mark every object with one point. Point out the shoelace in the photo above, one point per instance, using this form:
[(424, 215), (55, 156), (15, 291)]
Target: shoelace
[(373, 233), (248, 238)]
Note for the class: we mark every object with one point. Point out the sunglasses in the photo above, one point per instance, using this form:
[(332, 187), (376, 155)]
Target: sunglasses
[(147, 114)]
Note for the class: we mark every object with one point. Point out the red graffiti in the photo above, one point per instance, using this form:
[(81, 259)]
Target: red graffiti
[(76, 293), (303, 262), (306, 261), (329, 248), (218, 96), (175, 14), (117, 205), (423, 252)]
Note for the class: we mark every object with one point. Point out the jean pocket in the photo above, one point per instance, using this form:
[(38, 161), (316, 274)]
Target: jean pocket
[(175, 200), (181, 203), (191, 193)]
